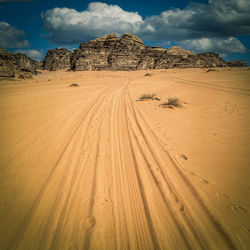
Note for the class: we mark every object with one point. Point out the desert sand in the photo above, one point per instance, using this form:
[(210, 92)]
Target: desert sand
[(90, 167)]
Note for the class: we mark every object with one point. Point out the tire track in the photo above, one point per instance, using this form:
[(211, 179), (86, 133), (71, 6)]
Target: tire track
[(212, 86), (216, 224), (75, 178), (27, 219)]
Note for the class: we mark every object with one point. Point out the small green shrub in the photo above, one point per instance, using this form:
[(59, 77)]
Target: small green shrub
[(148, 74)]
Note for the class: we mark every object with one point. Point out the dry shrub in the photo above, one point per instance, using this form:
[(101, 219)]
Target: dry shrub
[(146, 97), (74, 85), (172, 102)]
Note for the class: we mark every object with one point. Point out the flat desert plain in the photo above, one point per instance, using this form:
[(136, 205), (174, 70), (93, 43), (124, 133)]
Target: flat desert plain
[(91, 167)]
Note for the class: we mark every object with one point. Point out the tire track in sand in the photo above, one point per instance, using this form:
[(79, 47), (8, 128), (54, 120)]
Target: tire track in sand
[(29, 215), (158, 146)]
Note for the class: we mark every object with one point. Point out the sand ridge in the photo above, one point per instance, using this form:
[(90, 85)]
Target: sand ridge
[(90, 167)]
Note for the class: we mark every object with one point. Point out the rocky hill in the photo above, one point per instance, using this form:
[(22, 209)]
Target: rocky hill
[(16, 65), (57, 59), (111, 53), (129, 53)]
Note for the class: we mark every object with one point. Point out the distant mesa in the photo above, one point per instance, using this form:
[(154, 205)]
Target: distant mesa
[(111, 53)]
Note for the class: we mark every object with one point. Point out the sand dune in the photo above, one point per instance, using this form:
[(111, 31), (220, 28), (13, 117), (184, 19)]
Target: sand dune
[(90, 167)]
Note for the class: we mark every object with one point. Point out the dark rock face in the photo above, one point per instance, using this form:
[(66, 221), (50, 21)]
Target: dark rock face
[(127, 53), (236, 63), (7, 63), (26, 64), (209, 60), (57, 59), (16, 65)]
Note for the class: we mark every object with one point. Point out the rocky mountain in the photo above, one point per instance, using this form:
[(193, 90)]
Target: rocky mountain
[(111, 53), (57, 59), (130, 53), (236, 63), (16, 65)]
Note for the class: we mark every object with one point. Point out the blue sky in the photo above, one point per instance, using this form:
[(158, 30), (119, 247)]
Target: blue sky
[(34, 26)]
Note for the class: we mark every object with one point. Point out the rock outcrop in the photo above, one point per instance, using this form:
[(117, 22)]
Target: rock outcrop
[(236, 63), (57, 59), (127, 53), (16, 65), (178, 51)]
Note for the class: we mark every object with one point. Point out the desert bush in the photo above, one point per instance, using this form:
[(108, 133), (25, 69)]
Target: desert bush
[(172, 102), (211, 70), (148, 74), (145, 97), (74, 85)]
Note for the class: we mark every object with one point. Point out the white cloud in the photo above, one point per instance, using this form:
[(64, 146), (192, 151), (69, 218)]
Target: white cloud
[(68, 26), (212, 26), (218, 18), (222, 46), (34, 54), (10, 37)]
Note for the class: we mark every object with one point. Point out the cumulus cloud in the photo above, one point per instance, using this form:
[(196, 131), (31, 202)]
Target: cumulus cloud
[(10, 37), (218, 18), (34, 54), (68, 26), (212, 26), (219, 45)]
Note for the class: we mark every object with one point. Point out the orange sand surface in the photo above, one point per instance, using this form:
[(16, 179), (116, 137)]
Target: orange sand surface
[(90, 167)]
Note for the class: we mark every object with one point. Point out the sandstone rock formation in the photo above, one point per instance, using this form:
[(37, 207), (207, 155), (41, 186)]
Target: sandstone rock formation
[(56, 59), (236, 63), (127, 53), (7, 63), (178, 51), (16, 65)]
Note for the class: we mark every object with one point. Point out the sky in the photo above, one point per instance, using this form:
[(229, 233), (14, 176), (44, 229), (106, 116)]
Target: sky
[(35, 26)]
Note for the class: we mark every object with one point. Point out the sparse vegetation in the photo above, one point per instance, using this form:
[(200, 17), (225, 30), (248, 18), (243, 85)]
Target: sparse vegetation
[(74, 85), (148, 74), (146, 97), (172, 103), (184, 157), (210, 70)]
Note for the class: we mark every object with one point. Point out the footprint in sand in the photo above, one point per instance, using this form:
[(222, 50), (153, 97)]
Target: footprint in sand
[(90, 222), (238, 209), (245, 230), (203, 181), (182, 208), (221, 195)]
